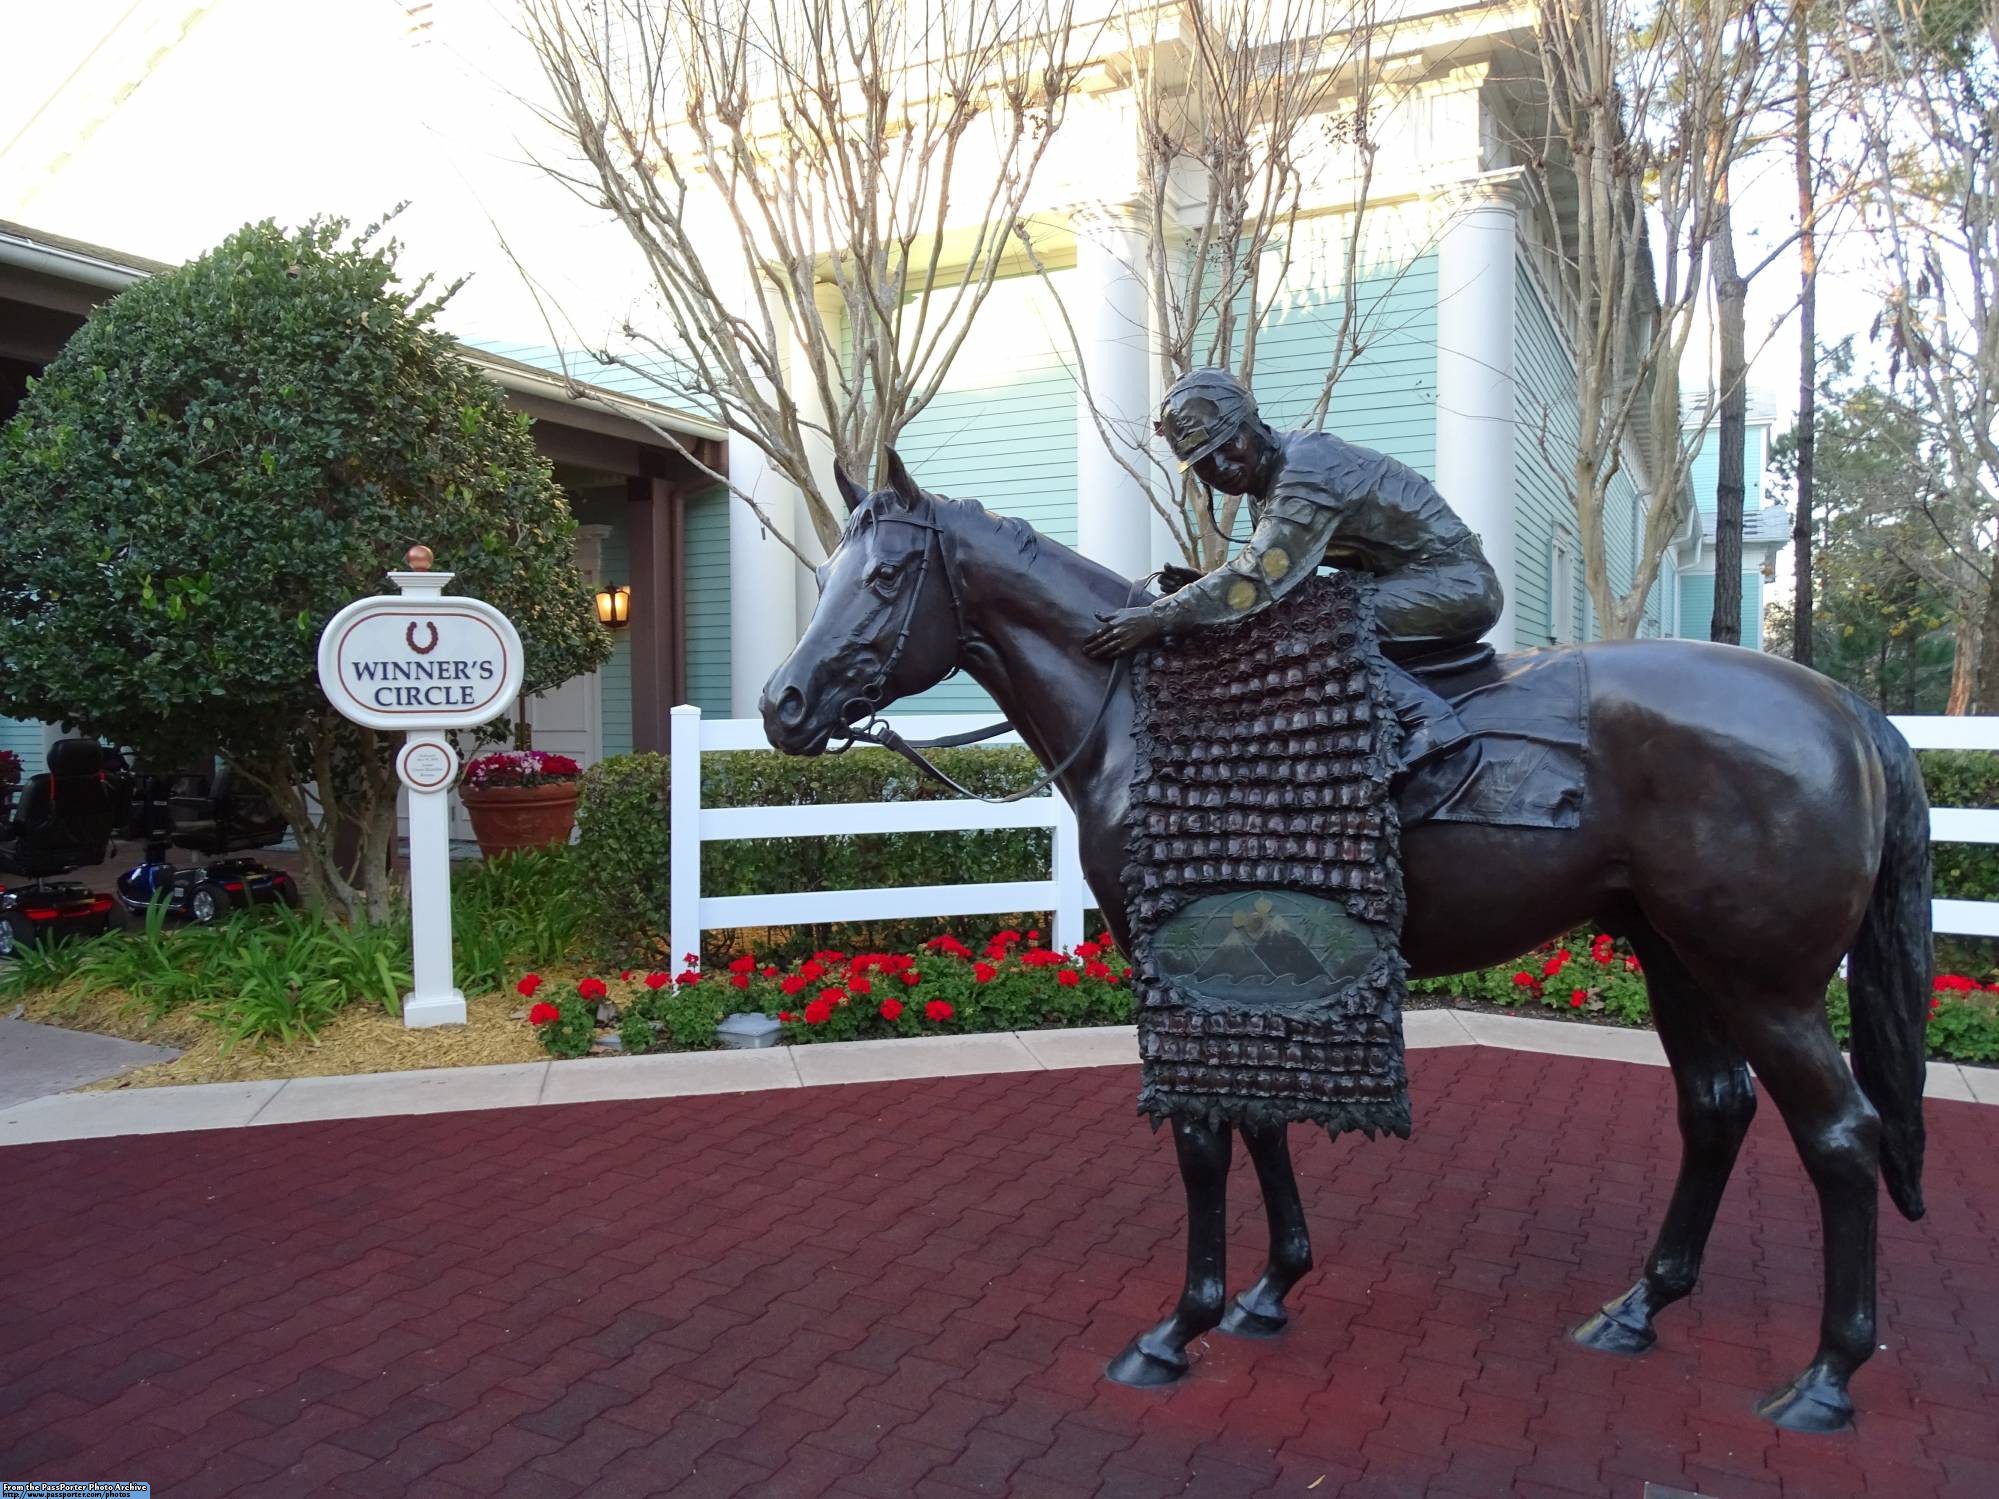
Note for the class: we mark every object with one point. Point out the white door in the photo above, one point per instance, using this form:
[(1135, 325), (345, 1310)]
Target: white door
[(569, 719)]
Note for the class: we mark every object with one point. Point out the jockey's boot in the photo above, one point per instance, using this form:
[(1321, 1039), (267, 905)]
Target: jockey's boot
[(1429, 772)]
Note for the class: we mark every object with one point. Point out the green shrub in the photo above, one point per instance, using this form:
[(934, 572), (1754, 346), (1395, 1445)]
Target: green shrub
[(623, 853), (684, 1018), (524, 909), (1591, 973), (267, 974), (274, 974), (624, 847), (220, 458)]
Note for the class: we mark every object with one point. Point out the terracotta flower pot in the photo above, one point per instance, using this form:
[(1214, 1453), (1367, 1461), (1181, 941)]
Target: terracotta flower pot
[(505, 818)]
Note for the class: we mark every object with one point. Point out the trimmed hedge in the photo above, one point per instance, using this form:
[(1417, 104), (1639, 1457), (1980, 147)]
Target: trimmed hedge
[(623, 849), (624, 844)]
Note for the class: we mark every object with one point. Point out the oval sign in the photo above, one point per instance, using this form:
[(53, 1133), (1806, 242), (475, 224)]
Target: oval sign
[(420, 663)]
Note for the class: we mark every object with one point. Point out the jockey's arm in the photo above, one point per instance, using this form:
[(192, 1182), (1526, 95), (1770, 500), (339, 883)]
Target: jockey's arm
[(1290, 537)]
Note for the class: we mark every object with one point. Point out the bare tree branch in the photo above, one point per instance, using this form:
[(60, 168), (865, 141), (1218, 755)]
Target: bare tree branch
[(836, 179)]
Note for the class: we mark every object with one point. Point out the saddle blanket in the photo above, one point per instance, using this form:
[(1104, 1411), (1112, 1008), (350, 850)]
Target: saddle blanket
[(1529, 718)]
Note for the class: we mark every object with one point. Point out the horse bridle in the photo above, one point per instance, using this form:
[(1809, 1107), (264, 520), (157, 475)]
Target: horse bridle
[(876, 730)]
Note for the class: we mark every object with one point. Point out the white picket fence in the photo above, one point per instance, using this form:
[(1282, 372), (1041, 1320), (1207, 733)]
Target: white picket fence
[(1964, 918), (1063, 892), (691, 912)]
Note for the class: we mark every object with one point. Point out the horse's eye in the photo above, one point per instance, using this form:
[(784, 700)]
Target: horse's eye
[(882, 575)]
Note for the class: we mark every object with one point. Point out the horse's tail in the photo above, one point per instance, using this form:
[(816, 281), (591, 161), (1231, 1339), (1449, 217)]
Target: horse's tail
[(1890, 969)]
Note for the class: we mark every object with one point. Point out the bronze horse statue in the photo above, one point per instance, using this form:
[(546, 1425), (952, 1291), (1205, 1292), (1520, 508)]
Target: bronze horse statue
[(1746, 824)]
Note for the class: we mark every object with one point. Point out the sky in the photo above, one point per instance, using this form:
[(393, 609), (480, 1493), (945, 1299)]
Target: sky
[(158, 126)]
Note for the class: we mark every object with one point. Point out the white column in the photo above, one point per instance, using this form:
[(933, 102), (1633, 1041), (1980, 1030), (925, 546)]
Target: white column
[(434, 997), (819, 447), (1475, 386), (1113, 516), (683, 806), (763, 606)]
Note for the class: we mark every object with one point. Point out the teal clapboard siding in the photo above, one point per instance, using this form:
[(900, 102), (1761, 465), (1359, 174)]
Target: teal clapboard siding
[(24, 737), (1385, 400), (1002, 431), (705, 607), (1545, 437), (1697, 607), (1704, 473), (1544, 444)]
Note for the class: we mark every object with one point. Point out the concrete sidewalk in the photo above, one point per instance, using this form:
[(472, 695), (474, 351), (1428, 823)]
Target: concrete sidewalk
[(38, 1060), (144, 1111)]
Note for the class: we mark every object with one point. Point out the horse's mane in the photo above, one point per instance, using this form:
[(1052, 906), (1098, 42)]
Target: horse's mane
[(959, 514)]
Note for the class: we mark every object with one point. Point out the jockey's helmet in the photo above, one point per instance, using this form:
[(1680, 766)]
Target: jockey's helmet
[(1204, 409)]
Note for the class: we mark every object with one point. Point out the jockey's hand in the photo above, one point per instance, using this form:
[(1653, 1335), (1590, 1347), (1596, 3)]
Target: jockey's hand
[(1123, 632), (1173, 578)]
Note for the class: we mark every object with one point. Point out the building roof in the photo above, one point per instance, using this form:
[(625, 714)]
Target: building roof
[(55, 258), (1760, 400)]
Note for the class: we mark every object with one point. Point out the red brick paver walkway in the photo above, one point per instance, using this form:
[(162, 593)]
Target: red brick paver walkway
[(912, 1288)]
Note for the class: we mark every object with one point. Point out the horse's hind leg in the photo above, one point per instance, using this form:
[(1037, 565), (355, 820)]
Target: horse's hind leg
[(1716, 1103), (1159, 1356), (1838, 1134), (1259, 1311)]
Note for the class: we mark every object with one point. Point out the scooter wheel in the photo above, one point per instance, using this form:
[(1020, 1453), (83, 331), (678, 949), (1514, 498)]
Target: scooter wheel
[(207, 902), (15, 934)]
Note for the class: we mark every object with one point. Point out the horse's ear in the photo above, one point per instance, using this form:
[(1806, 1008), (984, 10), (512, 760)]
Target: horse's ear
[(852, 493), (899, 480)]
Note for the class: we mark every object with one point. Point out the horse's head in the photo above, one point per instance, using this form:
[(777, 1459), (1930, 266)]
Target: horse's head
[(887, 622)]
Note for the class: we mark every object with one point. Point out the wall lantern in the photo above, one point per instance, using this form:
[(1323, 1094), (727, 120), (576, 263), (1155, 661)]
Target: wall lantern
[(614, 605)]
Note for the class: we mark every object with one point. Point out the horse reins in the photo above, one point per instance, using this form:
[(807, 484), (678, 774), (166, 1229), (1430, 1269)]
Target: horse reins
[(876, 730)]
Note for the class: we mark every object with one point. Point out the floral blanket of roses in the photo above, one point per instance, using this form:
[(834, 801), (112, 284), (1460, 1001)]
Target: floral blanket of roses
[(1013, 982)]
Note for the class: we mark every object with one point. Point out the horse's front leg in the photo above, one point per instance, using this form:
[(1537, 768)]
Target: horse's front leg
[(1259, 1311), (1159, 1356)]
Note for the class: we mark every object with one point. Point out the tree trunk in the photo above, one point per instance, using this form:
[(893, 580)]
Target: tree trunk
[(1985, 694), (1731, 294), (1963, 663), (1808, 360)]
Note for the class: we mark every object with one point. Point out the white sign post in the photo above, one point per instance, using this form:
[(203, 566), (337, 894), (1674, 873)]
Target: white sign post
[(425, 664)]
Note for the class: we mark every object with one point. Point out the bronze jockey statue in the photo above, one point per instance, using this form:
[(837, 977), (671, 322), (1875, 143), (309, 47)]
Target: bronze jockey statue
[(1314, 498)]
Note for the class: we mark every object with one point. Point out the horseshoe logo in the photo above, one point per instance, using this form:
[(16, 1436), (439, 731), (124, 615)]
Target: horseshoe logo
[(409, 635)]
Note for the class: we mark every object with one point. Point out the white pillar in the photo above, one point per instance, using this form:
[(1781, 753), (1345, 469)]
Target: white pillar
[(1113, 515), (763, 607), (819, 448), (1475, 385)]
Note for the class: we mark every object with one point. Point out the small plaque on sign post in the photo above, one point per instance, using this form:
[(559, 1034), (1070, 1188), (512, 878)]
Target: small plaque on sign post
[(427, 764), (418, 661)]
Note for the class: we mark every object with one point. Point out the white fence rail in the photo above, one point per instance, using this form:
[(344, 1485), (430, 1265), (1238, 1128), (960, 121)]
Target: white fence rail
[(691, 912), (1063, 892), (1962, 918)]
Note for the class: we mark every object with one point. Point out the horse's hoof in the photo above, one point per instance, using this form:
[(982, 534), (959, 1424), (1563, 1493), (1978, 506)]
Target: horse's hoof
[(1144, 1371), (1809, 1403), (1242, 1321), (1604, 1332)]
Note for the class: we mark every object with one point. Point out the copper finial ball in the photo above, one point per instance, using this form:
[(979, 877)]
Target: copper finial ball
[(420, 557)]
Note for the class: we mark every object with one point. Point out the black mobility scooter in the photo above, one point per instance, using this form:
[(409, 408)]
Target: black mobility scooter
[(62, 822), (204, 811)]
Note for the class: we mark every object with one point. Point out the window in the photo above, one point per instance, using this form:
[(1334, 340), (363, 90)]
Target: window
[(1562, 589)]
